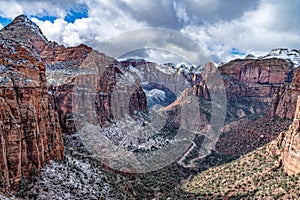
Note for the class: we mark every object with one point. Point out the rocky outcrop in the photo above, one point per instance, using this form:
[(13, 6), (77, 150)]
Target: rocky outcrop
[(289, 144), (201, 90), (29, 127), (192, 109), (24, 31)]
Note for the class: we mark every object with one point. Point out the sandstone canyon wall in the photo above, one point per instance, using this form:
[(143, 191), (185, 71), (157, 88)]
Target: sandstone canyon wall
[(285, 98), (29, 128), (44, 86), (81, 81), (251, 83), (289, 144), (87, 83)]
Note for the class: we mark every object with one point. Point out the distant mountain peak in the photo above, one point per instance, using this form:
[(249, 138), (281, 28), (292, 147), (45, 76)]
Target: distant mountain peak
[(292, 55), (21, 27), (23, 30), (23, 18)]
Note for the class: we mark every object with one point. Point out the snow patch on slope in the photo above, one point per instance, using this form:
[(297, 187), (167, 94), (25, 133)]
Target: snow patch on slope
[(74, 179), (155, 94), (286, 54)]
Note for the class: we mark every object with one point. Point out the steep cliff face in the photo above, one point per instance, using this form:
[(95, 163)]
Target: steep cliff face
[(81, 81), (29, 128), (192, 109), (285, 98), (251, 83), (47, 89), (289, 144), (176, 79), (87, 83), (254, 71)]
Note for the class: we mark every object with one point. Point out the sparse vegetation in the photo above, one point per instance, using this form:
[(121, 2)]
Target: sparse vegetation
[(252, 176)]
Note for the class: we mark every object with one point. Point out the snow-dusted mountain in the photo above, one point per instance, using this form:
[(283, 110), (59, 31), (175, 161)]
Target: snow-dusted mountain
[(292, 55)]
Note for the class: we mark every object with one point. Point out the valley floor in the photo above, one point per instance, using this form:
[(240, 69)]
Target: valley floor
[(217, 176)]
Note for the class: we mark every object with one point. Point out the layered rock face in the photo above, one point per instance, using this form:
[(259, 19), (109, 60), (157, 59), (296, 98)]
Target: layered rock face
[(38, 104), (251, 83), (174, 79), (29, 127), (81, 81), (88, 86), (289, 143), (192, 109), (285, 98)]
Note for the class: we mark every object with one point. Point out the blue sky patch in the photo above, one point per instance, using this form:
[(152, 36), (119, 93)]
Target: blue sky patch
[(46, 18), (81, 11), (235, 51), (4, 21)]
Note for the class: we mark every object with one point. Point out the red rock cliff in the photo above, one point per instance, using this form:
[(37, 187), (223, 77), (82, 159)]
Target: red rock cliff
[(285, 98), (251, 83), (255, 78), (290, 144), (80, 80), (29, 129), (88, 85)]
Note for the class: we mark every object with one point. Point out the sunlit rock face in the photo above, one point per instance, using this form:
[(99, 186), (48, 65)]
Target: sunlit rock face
[(43, 87), (86, 82), (29, 127), (289, 144), (251, 83), (285, 97)]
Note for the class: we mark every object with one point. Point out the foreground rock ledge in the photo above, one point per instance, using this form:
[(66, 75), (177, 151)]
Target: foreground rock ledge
[(290, 145)]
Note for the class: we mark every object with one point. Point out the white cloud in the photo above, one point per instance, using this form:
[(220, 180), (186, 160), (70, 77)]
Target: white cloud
[(216, 25), (10, 9), (258, 31), (104, 21), (164, 40), (53, 31), (181, 12), (59, 8)]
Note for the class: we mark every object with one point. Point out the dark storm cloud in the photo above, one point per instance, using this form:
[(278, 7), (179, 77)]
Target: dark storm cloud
[(156, 13), (168, 14), (154, 38), (216, 10)]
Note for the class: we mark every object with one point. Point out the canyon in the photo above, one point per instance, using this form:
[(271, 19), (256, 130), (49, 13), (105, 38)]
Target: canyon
[(30, 132), (50, 94), (37, 108), (288, 145)]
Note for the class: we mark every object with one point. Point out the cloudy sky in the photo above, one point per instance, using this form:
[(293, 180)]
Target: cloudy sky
[(161, 30)]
